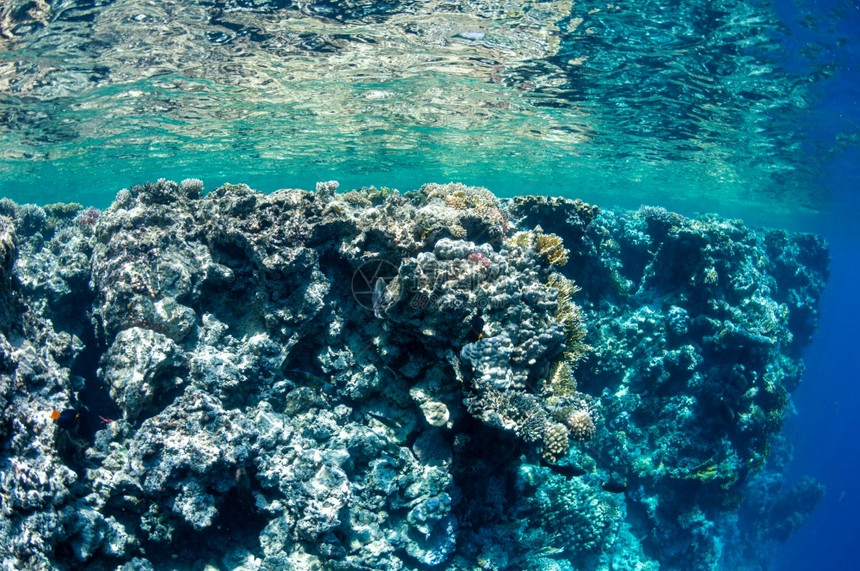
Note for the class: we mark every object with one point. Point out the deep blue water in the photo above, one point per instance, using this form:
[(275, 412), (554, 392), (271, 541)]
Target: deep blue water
[(825, 429)]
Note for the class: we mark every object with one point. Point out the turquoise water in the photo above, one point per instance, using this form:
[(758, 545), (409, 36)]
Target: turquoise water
[(747, 109), (696, 106)]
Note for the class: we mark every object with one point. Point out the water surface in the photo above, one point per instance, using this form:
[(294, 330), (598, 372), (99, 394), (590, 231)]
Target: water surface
[(698, 105)]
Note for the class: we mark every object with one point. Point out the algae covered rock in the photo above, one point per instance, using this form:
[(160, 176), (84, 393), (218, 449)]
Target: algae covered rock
[(385, 380)]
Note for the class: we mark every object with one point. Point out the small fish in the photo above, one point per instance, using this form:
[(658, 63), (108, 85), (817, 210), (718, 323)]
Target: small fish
[(473, 35), (726, 412), (378, 291), (65, 419), (243, 486), (476, 331), (385, 421), (614, 486), (309, 380), (566, 470)]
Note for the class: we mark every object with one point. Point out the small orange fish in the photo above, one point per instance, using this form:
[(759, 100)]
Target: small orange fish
[(65, 419)]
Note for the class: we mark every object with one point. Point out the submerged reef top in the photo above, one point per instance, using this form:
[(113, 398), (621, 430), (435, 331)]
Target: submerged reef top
[(382, 380)]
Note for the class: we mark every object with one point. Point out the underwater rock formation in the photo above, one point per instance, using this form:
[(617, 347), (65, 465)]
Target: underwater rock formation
[(385, 380)]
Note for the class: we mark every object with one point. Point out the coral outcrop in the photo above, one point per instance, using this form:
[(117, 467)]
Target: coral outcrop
[(385, 380)]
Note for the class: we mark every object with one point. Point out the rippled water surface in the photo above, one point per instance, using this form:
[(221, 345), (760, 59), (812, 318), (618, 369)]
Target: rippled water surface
[(701, 105)]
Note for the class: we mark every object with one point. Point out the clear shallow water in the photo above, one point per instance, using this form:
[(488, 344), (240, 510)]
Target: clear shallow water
[(705, 106), (748, 109)]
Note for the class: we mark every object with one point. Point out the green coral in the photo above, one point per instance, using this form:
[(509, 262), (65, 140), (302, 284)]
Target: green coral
[(576, 518)]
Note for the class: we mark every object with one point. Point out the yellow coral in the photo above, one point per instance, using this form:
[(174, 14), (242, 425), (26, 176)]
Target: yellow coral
[(711, 471), (550, 248), (581, 425), (705, 473), (457, 231), (521, 239), (457, 200), (472, 200), (555, 443), (568, 316), (547, 246), (711, 276), (462, 197), (561, 379)]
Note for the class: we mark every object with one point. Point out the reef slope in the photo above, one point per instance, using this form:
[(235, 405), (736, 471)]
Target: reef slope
[(385, 380)]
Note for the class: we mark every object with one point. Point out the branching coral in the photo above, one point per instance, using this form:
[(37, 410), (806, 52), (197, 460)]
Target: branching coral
[(527, 414), (568, 316), (549, 247), (505, 365), (561, 381)]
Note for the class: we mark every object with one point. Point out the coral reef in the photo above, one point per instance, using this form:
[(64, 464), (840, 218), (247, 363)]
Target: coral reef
[(696, 327), (386, 380)]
